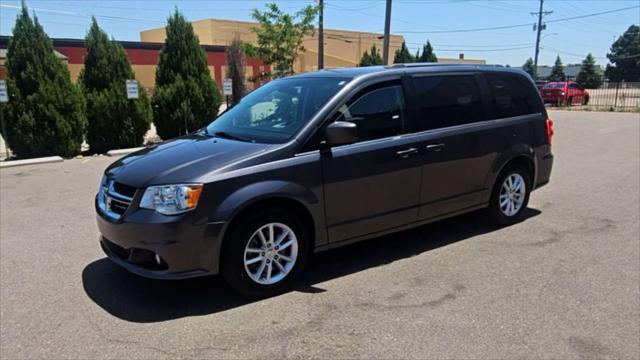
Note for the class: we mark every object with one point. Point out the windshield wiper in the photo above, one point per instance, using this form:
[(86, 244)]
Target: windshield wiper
[(226, 135)]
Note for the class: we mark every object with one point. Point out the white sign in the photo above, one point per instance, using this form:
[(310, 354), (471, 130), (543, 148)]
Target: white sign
[(132, 89), (4, 97), (227, 87)]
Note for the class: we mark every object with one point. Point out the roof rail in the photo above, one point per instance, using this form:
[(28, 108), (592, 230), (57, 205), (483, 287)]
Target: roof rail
[(426, 64)]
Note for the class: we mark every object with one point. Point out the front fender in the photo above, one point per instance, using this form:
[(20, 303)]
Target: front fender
[(252, 193)]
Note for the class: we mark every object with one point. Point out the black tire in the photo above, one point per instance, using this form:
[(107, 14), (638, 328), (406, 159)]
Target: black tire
[(495, 214), (569, 101), (233, 252), (585, 100)]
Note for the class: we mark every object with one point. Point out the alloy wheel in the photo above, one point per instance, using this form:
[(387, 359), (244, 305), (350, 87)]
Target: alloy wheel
[(512, 194), (271, 253)]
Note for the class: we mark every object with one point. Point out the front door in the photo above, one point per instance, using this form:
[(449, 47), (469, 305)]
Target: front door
[(372, 185)]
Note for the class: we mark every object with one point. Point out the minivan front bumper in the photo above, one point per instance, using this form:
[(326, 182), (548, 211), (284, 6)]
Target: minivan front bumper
[(183, 249)]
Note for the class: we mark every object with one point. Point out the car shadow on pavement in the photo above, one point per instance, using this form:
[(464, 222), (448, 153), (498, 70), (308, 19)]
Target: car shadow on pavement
[(137, 299)]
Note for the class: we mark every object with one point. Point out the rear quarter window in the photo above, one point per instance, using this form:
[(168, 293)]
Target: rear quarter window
[(511, 96)]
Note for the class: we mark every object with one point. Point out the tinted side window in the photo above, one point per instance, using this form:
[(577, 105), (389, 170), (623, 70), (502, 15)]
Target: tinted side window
[(574, 86), (447, 101), (510, 96), (378, 112)]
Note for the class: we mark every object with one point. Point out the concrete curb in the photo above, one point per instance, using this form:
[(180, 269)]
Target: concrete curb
[(42, 160), (123, 151)]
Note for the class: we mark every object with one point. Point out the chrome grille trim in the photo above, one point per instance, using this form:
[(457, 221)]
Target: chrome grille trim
[(112, 203)]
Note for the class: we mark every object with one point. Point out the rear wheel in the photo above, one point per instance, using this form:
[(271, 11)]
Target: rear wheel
[(585, 100), (265, 252), (510, 196)]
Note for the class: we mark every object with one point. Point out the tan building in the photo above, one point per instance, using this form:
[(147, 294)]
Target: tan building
[(342, 48)]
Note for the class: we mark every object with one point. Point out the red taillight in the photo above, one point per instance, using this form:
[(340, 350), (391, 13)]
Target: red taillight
[(549, 130)]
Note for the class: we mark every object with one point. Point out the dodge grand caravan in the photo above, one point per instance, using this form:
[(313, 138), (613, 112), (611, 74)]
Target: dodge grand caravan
[(319, 160)]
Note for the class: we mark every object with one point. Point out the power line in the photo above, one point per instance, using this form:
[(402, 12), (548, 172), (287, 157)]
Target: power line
[(78, 14), (517, 25)]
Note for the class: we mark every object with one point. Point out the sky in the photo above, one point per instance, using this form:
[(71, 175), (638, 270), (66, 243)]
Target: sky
[(451, 25)]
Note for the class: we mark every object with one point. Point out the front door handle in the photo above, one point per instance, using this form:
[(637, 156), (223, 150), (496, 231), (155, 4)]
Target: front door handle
[(435, 147), (407, 152)]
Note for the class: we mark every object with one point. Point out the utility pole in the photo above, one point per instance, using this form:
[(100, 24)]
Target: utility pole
[(539, 29), (387, 29), (321, 35)]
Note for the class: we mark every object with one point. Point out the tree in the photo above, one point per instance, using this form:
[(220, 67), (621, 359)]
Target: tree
[(373, 58), (587, 76), (236, 63), (186, 98), (403, 56), (624, 56), (279, 36), (427, 53), (45, 114), (114, 121), (557, 71), (365, 60), (374, 54), (529, 68)]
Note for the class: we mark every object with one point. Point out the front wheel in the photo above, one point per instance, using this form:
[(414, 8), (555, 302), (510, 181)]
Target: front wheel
[(265, 253), (510, 196)]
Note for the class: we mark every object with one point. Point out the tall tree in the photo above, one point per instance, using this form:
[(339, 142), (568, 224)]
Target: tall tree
[(373, 58), (186, 98), (374, 54), (402, 55), (427, 53), (529, 68), (588, 77), (624, 56), (279, 36), (114, 121), (557, 71), (365, 60), (236, 62), (45, 113)]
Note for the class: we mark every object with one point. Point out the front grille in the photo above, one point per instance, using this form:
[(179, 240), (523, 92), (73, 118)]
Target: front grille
[(123, 189), (116, 199), (117, 206)]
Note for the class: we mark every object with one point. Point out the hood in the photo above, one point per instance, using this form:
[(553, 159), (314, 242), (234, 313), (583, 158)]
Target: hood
[(184, 159)]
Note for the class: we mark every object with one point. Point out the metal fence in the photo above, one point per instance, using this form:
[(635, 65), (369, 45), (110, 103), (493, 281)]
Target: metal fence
[(614, 96)]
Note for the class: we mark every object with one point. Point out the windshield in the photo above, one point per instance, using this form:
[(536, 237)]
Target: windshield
[(275, 112), (554, 85)]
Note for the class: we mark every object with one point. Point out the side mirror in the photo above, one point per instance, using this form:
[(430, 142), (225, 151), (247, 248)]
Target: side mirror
[(341, 133)]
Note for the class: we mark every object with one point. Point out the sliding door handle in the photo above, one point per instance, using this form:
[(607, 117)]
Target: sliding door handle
[(407, 153), (435, 147)]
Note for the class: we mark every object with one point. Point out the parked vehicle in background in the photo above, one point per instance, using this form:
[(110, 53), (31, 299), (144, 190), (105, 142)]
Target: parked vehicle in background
[(540, 84), (320, 160), (564, 93)]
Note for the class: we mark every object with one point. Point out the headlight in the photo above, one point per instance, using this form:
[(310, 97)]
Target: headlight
[(171, 199)]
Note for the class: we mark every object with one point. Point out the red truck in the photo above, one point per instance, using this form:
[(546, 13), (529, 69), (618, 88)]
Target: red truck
[(564, 93)]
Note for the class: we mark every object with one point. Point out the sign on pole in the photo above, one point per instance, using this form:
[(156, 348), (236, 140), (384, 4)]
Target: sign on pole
[(4, 97), (132, 89), (227, 87)]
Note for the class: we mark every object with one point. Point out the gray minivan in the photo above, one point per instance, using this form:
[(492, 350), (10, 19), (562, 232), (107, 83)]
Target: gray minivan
[(322, 159)]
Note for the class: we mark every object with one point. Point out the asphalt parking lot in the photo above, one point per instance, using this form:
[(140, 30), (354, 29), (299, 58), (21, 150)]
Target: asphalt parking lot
[(562, 284)]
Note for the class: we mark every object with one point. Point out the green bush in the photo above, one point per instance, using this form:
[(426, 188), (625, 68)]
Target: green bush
[(45, 113), (186, 98), (114, 121)]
